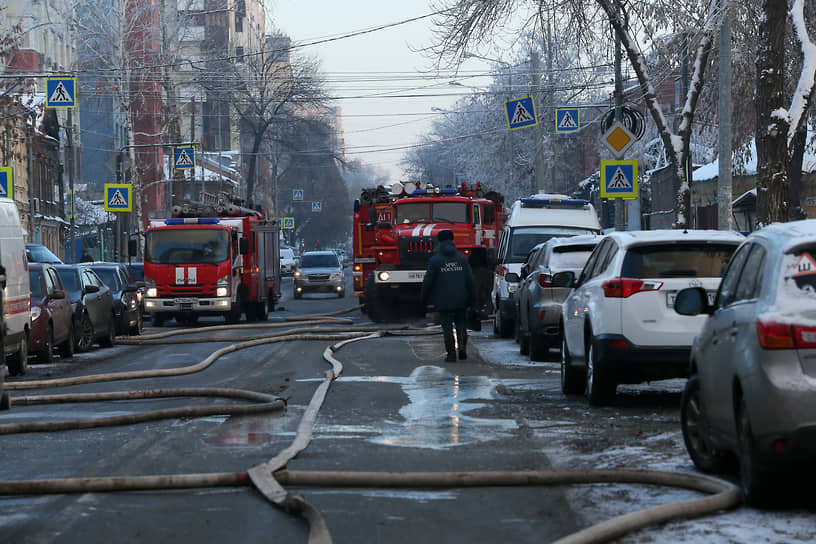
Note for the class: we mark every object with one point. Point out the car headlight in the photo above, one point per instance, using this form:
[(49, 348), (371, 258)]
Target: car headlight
[(152, 292), (297, 273), (222, 286), (512, 287), (384, 276), (35, 312), (221, 291), (336, 276)]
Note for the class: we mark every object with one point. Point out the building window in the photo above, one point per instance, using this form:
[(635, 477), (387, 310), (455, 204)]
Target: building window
[(239, 52), (239, 24)]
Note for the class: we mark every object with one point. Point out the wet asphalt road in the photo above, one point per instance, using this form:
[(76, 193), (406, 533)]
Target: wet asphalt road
[(396, 407)]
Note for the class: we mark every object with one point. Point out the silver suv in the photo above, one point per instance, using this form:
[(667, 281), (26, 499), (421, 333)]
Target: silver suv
[(319, 271), (752, 390)]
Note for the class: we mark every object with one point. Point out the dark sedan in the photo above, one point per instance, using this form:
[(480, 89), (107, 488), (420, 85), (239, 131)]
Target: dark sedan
[(125, 296), (92, 304), (51, 314)]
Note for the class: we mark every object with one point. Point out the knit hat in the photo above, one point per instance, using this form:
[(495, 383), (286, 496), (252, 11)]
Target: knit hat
[(444, 235)]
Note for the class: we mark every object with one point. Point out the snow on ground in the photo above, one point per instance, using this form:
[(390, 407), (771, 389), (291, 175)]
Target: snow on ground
[(596, 503)]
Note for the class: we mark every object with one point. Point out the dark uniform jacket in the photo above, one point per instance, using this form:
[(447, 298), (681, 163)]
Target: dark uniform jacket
[(448, 280)]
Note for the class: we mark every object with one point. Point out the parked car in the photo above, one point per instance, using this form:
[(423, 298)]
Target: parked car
[(16, 295), (125, 290), (51, 314), (752, 390), (319, 271), (538, 308), (37, 253), (92, 305), (618, 322), (137, 271), (287, 260)]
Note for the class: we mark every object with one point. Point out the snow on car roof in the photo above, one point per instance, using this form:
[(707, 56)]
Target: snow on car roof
[(793, 232), (637, 237)]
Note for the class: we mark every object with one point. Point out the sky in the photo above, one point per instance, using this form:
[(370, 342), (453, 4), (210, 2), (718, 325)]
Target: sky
[(388, 63)]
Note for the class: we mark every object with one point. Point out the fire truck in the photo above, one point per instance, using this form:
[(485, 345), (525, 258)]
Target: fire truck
[(395, 236), (208, 260)]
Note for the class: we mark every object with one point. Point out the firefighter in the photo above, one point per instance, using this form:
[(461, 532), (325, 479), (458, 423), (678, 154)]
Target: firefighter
[(450, 286)]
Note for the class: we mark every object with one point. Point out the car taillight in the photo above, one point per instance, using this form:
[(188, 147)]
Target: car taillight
[(773, 335), (545, 280), (626, 287)]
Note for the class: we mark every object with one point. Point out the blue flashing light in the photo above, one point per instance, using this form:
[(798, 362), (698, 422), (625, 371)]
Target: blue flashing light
[(549, 202), (420, 192), (192, 221), (448, 191), (177, 221), (209, 221)]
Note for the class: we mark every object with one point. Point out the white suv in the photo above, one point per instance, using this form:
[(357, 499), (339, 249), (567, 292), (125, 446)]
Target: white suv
[(619, 324)]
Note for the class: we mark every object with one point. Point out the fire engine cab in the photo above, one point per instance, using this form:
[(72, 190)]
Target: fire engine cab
[(395, 237), (211, 261)]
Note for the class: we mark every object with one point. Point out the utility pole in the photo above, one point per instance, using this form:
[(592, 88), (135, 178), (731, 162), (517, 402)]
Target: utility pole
[(539, 151), (69, 160), (550, 113), (620, 208), (724, 187)]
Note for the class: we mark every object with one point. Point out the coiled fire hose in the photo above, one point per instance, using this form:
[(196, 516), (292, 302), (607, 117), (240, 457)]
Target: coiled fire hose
[(270, 477)]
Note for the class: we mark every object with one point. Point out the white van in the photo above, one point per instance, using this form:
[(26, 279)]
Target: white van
[(531, 221), (16, 292)]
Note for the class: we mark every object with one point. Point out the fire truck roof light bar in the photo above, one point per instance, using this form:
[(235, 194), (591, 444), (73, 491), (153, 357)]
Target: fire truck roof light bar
[(422, 192), (192, 221), (545, 202)]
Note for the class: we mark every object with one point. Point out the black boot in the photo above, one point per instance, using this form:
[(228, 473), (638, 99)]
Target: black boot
[(450, 347), (461, 337)]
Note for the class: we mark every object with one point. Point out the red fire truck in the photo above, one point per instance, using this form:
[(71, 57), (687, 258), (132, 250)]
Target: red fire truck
[(208, 261), (395, 237)]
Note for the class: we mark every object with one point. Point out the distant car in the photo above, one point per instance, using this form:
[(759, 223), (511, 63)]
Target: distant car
[(752, 386), (92, 305), (319, 271), (539, 302), (37, 253), (137, 271), (51, 314), (287, 260), (125, 290), (618, 322)]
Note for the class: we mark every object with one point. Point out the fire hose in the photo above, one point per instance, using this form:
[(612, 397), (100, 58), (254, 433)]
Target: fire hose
[(270, 477)]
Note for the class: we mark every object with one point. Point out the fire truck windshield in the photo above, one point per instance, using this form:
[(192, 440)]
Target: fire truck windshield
[(442, 212), (183, 246)]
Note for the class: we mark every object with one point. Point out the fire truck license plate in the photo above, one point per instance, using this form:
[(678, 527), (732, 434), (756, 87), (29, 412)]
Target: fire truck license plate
[(184, 301)]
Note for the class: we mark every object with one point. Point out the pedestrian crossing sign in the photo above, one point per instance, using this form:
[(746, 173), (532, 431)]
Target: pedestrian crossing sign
[(60, 92), (619, 179), (288, 222), (118, 197), (297, 194), (184, 157), (316, 206), (520, 113), (567, 120), (6, 182)]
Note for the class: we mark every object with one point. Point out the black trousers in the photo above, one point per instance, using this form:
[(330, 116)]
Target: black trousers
[(449, 319)]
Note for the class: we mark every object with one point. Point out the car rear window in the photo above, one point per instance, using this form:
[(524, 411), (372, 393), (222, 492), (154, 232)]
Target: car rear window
[(570, 257), (687, 260), (320, 261)]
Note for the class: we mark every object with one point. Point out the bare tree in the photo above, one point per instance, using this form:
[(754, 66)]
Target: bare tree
[(265, 87), (638, 26)]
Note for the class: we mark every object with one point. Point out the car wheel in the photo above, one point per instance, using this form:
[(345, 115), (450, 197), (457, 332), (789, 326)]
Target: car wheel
[(694, 424), (18, 363), (757, 484), (539, 348), (524, 343), (109, 340), (139, 327), (67, 348), (502, 327), (600, 389), (573, 380), (46, 354), (86, 334)]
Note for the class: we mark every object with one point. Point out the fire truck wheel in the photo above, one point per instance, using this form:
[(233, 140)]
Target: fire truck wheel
[(375, 306)]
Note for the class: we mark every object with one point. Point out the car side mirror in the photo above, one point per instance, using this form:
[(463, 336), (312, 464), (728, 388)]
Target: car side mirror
[(511, 277), (57, 295), (92, 288), (243, 246), (564, 279), (140, 284), (692, 301)]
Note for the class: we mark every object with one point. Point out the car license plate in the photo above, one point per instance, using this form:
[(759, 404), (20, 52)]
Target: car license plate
[(671, 296), (182, 301)]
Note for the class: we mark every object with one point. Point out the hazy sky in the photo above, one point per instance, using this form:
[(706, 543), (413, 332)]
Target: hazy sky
[(385, 62)]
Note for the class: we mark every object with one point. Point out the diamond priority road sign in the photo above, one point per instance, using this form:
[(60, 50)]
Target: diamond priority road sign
[(618, 139), (520, 113), (619, 179)]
